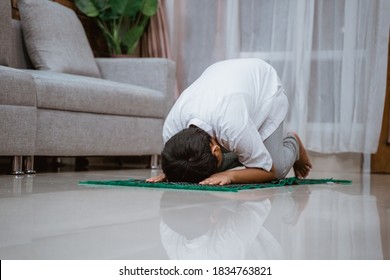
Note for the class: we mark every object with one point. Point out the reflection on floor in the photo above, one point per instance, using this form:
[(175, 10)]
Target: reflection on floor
[(49, 216)]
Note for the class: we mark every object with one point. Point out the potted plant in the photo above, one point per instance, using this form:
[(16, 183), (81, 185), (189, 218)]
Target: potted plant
[(123, 22)]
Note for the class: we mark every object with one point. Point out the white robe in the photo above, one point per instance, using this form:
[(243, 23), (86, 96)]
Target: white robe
[(240, 102)]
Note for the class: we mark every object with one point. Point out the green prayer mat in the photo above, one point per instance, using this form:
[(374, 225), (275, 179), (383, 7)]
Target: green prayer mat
[(226, 188)]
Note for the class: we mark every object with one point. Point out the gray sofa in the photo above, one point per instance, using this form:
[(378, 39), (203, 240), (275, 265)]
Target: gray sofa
[(48, 113)]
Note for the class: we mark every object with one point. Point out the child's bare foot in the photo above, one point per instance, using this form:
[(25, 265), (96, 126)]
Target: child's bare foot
[(302, 166)]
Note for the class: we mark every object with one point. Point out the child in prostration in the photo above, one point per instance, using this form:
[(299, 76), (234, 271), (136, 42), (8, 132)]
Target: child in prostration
[(232, 115)]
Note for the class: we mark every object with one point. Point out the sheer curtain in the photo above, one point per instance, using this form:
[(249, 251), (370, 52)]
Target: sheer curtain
[(330, 54)]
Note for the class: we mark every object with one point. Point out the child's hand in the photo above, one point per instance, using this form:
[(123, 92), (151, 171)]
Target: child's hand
[(220, 178), (158, 178)]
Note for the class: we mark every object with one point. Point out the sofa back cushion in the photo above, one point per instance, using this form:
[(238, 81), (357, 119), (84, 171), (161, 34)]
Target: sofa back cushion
[(20, 58), (55, 38), (5, 32)]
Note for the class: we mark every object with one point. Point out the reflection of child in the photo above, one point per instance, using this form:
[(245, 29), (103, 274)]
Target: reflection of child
[(238, 107), (202, 226)]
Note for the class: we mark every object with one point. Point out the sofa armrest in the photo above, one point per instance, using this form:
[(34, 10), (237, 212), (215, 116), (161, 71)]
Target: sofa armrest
[(17, 87), (154, 73)]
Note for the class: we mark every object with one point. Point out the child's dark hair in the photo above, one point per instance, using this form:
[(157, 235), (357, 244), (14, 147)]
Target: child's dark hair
[(187, 156)]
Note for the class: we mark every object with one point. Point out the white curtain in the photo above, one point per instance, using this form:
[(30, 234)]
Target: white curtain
[(330, 54)]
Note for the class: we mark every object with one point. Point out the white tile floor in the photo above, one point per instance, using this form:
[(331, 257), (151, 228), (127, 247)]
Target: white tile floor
[(49, 216)]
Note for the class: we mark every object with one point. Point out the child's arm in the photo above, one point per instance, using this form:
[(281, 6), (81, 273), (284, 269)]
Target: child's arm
[(240, 176)]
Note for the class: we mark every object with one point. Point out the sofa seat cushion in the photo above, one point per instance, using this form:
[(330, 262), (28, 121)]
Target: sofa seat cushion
[(59, 91)]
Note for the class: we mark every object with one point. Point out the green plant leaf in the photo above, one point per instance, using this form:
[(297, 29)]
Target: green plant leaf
[(149, 7), (117, 6), (122, 21), (102, 4), (131, 38), (126, 7), (87, 7)]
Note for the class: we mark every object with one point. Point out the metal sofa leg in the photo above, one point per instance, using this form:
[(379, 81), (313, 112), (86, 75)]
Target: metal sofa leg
[(17, 165), (29, 165), (154, 162)]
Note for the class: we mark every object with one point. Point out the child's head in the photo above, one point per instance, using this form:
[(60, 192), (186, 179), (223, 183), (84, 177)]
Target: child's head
[(187, 156)]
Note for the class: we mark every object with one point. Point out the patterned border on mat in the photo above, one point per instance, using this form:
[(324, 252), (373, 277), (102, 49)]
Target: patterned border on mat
[(226, 188)]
